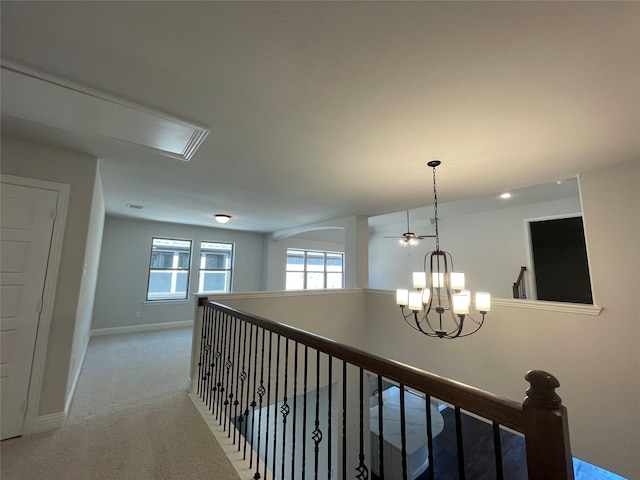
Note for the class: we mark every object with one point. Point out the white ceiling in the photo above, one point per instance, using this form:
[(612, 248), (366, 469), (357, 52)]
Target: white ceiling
[(322, 110)]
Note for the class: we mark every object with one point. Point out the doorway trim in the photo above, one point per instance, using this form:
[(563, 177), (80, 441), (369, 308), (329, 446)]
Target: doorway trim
[(531, 271), (49, 293)]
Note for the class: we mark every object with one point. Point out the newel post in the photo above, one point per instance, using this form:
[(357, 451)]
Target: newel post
[(546, 429)]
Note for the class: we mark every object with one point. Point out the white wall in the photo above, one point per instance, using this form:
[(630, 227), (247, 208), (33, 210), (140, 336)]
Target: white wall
[(124, 269), (335, 314), (596, 358), (489, 247), (31, 160)]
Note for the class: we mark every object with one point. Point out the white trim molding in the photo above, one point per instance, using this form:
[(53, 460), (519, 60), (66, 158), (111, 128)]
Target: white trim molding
[(140, 328), (578, 308), (118, 120), (217, 297)]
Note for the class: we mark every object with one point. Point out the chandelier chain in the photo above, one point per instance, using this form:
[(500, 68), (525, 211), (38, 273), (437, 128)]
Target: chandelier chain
[(435, 208)]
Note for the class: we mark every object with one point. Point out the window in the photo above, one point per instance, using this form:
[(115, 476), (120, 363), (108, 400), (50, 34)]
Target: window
[(216, 266), (169, 269), (310, 269)]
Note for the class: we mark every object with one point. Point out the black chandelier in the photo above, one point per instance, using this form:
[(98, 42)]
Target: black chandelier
[(439, 305)]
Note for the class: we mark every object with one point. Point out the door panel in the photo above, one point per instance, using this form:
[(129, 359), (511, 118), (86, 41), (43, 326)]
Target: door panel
[(27, 220)]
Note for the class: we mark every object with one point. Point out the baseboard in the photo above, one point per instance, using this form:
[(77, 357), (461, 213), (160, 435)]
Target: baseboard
[(140, 328), (44, 423)]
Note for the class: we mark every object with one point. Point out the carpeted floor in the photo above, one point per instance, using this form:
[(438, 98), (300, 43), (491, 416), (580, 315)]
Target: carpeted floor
[(131, 419)]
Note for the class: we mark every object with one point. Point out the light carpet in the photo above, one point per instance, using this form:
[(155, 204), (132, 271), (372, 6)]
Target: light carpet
[(132, 419)]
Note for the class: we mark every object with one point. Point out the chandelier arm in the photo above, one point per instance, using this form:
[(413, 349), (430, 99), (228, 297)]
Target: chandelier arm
[(476, 321), (406, 317), (479, 324), (417, 325)]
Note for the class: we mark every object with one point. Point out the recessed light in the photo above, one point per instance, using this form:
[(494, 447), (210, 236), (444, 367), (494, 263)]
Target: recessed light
[(505, 195), (134, 206), (222, 218)]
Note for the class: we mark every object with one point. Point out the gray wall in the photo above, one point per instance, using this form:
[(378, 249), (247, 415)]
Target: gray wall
[(41, 162), (124, 269)]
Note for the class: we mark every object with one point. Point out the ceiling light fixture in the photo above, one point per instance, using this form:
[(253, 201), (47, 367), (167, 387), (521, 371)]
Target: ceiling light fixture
[(222, 218), (440, 290), (505, 195)]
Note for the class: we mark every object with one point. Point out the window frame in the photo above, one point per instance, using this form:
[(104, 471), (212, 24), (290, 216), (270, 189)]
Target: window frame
[(305, 272), (174, 269), (232, 260)]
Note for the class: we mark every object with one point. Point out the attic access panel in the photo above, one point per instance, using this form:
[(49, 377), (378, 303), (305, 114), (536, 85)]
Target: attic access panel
[(41, 98)]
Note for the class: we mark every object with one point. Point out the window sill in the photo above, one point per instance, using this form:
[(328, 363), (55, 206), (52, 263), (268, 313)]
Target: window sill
[(164, 302), (578, 308)]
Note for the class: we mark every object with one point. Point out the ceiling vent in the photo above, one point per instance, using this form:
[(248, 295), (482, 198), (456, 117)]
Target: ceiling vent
[(38, 97)]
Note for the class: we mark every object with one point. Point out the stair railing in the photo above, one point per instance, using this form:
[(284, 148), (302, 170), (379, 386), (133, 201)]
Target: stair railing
[(519, 286), (297, 404)]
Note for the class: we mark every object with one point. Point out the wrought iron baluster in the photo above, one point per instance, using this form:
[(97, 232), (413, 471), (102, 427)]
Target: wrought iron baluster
[(316, 435), (233, 419), (203, 352), (380, 429), (255, 391), (497, 450), (266, 441), (206, 355), (261, 392), (242, 377), (430, 469), (363, 471), (215, 363), (284, 410), (403, 433), (329, 402), (344, 419), (275, 407), (230, 379), (246, 400), (458, 416), (221, 365), (304, 412), (295, 406)]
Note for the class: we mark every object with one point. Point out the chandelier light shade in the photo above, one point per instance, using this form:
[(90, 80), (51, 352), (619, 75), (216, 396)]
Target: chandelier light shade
[(439, 305)]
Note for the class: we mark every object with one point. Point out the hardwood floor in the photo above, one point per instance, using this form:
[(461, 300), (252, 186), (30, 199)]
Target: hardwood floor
[(479, 455)]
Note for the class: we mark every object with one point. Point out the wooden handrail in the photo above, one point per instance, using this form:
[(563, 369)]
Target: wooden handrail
[(485, 404), (518, 282)]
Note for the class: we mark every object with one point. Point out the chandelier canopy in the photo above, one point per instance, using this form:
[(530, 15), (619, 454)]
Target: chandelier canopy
[(438, 306)]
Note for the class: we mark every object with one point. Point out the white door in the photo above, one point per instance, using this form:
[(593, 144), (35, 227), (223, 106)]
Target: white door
[(26, 222)]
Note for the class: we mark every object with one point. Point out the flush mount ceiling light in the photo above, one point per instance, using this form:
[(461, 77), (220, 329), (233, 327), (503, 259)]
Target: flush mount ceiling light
[(439, 305), (222, 218), (505, 195)]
